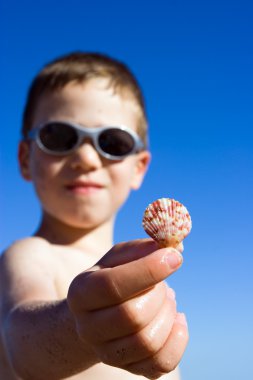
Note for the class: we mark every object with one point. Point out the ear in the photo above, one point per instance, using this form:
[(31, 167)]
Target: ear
[(141, 165), (23, 159)]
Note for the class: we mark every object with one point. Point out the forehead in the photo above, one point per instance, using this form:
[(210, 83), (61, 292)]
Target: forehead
[(93, 103)]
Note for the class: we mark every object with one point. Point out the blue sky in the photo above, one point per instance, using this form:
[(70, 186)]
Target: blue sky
[(194, 61)]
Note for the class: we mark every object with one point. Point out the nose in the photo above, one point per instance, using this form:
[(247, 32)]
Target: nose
[(86, 157)]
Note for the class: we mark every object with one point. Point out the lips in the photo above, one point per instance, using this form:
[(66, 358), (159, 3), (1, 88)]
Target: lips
[(84, 187)]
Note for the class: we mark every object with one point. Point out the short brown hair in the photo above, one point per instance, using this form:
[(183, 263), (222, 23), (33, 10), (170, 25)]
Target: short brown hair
[(79, 67)]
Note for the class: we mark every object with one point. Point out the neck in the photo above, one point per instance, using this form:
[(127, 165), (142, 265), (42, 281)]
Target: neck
[(96, 241)]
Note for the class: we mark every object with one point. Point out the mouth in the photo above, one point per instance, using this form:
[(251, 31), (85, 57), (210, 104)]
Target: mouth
[(84, 187)]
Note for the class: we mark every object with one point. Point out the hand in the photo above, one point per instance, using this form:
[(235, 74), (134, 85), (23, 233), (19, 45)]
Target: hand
[(126, 312)]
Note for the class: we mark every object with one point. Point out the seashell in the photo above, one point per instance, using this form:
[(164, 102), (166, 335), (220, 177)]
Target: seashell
[(167, 221)]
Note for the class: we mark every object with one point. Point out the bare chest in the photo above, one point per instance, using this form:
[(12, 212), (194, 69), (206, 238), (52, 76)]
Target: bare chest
[(68, 264)]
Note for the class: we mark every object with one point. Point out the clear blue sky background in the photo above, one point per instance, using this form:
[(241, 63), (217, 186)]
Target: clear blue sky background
[(194, 60)]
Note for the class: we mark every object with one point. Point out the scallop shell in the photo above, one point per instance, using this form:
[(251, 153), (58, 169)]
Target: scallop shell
[(167, 221)]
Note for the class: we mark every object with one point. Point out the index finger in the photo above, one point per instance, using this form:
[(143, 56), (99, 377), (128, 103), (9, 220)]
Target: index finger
[(110, 286)]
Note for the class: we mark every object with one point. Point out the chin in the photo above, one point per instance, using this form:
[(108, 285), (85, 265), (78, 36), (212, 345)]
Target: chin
[(85, 222), (81, 216)]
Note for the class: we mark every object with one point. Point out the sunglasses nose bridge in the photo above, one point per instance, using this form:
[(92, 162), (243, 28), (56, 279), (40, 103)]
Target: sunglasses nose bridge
[(85, 136)]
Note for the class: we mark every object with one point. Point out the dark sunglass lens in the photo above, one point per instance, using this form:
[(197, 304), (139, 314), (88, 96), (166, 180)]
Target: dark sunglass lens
[(58, 137), (116, 142)]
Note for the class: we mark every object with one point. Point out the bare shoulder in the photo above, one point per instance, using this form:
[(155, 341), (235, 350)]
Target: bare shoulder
[(22, 248), (26, 272), (26, 254)]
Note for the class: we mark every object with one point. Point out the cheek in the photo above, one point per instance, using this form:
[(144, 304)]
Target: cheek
[(43, 172), (121, 176)]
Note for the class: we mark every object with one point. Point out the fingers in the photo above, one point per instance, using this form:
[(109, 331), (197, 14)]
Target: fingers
[(168, 357), (125, 311), (123, 319), (144, 343), (123, 253), (111, 286)]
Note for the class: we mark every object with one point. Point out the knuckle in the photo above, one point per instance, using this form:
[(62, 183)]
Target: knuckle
[(170, 365), (147, 343), (83, 332), (104, 355), (110, 355), (149, 370), (111, 287), (133, 317), (158, 369), (87, 330), (73, 296)]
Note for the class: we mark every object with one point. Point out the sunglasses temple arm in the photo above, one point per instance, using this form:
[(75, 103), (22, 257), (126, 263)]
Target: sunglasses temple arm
[(32, 134), (140, 146)]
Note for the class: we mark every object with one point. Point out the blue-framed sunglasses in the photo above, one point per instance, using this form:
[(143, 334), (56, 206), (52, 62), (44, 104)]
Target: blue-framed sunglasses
[(61, 138)]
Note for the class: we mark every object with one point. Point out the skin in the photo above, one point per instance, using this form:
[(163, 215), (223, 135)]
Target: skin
[(68, 310)]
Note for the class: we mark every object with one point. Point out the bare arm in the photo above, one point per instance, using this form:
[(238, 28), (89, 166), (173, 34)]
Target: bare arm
[(39, 331), (120, 313), (127, 312)]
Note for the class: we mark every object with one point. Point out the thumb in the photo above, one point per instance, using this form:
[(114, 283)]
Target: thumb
[(126, 252), (127, 270)]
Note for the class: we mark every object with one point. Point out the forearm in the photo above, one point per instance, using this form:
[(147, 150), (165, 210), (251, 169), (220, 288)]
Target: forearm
[(42, 342)]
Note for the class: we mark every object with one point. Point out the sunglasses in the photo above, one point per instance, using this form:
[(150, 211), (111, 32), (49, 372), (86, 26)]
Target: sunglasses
[(60, 138)]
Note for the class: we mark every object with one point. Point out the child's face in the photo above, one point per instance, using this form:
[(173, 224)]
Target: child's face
[(83, 189)]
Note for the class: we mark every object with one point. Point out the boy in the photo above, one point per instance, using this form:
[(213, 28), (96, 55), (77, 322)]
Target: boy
[(68, 310)]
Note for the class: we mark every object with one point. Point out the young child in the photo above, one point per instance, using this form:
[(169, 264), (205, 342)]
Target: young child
[(73, 306)]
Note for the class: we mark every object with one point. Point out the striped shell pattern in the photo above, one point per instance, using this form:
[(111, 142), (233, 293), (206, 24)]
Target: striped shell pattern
[(167, 221)]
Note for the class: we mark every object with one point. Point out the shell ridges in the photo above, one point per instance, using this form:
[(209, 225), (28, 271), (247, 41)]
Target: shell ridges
[(167, 221)]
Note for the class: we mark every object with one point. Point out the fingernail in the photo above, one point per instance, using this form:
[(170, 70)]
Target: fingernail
[(173, 258), (181, 319)]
